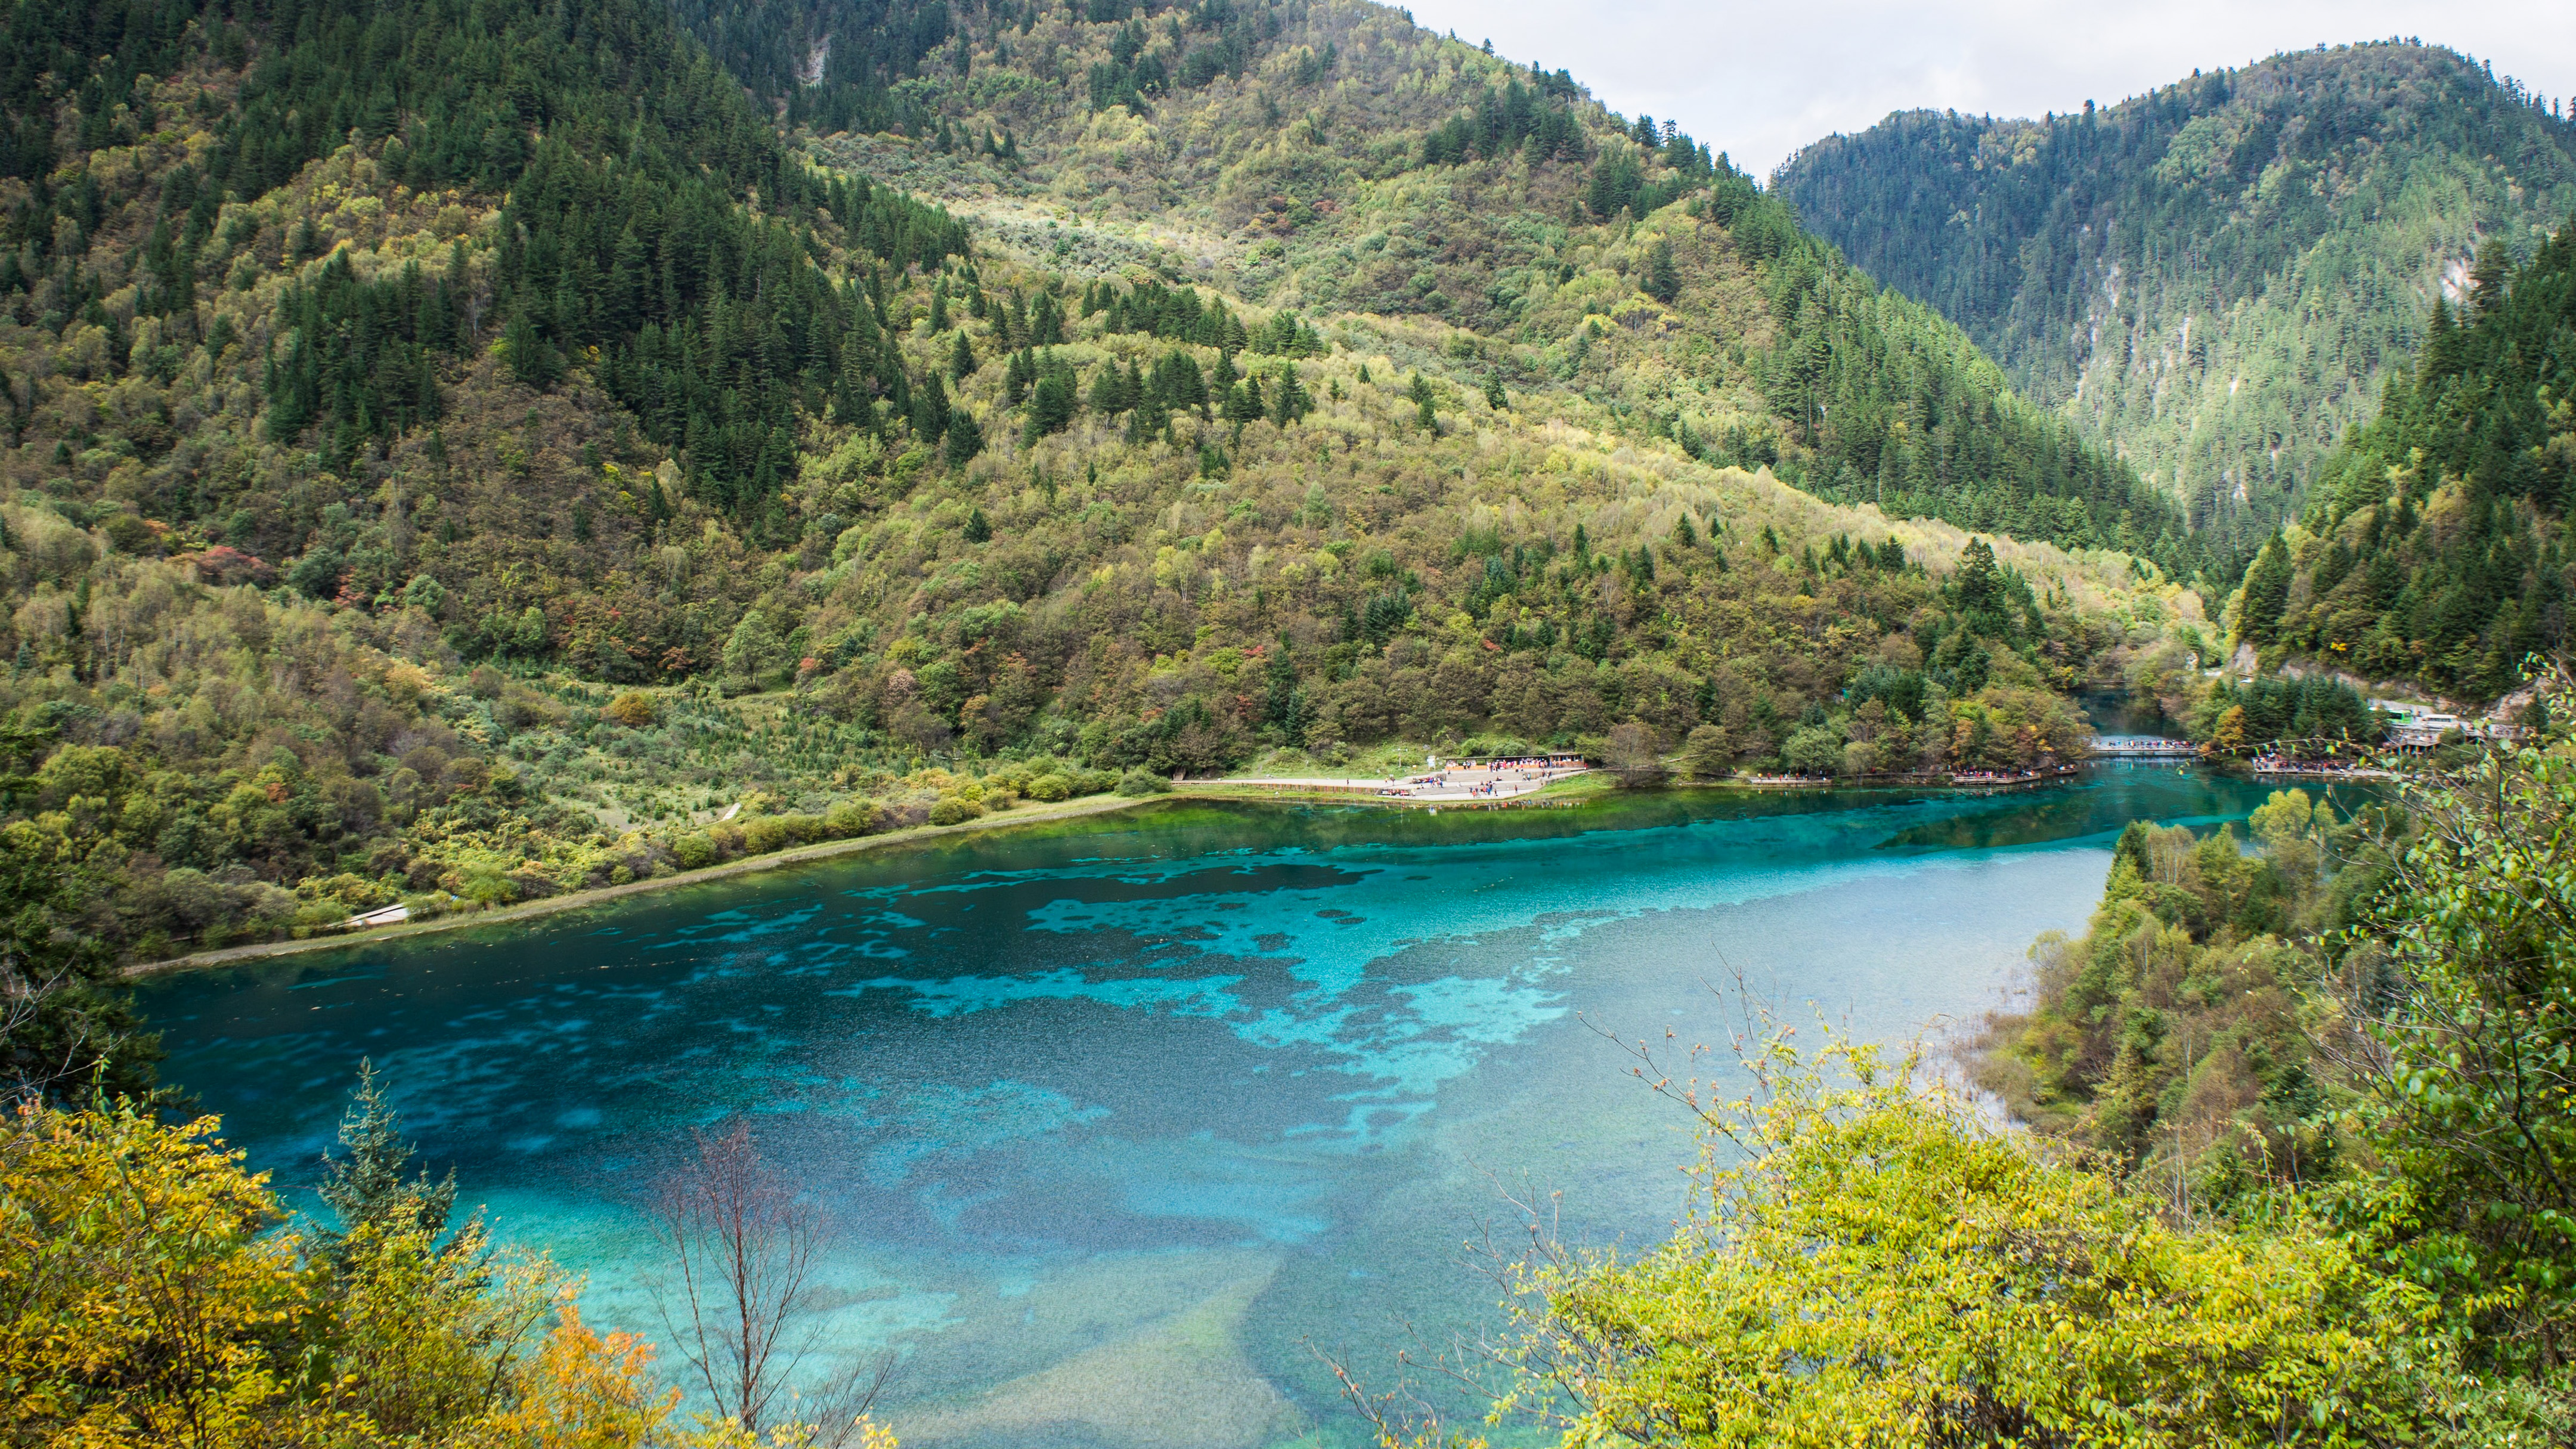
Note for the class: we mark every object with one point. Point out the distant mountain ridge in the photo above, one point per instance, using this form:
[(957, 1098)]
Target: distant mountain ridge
[(2215, 277)]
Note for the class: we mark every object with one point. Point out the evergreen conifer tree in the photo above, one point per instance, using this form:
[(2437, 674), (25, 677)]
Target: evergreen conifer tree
[(2267, 592), (2487, 276), (965, 438), (1289, 400), (1243, 402), (1051, 401), (1663, 282), (371, 1184), (1106, 391)]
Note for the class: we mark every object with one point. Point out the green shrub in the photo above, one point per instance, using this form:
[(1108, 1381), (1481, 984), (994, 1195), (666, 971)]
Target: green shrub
[(1709, 753), (1141, 781), (1814, 750), (1096, 782), (764, 834), (521, 709), (954, 811), (693, 852), (132, 535), (486, 887), (1050, 788)]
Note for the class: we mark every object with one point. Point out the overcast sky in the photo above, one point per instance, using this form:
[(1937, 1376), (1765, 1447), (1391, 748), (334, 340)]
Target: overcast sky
[(1760, 78)]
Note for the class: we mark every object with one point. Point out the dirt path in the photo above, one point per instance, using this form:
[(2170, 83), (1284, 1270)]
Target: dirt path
[(1452, 785)]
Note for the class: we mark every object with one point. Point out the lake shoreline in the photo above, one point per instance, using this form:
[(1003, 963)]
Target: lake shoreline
[(1566, 794), (1215, 790), (597, 895)]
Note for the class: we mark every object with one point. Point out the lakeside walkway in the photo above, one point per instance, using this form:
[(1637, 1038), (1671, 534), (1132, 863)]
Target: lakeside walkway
[(2141, 747), (1503, 780)]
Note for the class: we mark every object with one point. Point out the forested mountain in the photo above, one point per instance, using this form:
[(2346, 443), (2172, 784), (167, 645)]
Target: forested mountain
[(455, 452), (2214, 277), (2437, 548), (1335, 158)]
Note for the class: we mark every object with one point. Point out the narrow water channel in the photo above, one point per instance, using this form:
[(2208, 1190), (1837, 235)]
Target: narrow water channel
[(1121, 1118)]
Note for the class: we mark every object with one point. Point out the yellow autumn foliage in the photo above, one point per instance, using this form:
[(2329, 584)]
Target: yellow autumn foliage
[(154, 1293), (1877, 1265)]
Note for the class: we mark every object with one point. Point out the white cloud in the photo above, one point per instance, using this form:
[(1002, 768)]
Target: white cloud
[(1758, 80)]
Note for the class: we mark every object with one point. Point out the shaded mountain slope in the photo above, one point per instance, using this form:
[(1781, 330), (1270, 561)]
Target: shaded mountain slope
[(2437, 549), (2214, 277)]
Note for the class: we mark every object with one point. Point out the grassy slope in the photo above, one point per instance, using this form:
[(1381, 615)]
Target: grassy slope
[(1302, 184)]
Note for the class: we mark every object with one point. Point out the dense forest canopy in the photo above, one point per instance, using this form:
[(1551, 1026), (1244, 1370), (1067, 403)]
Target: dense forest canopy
[(2216, 277), (2436, 550), (456, 454)]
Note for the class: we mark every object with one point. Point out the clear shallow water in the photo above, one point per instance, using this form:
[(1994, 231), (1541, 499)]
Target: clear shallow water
[(1120, 1115)]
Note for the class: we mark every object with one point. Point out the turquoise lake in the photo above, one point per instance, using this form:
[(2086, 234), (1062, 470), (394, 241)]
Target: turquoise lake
[(1123, 1119)]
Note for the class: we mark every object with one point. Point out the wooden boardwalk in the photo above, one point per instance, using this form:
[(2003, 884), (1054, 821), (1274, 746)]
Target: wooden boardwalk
[(2142, 747)]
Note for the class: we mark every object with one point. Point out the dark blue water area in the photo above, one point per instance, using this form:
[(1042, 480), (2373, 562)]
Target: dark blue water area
[(1120, 1118)]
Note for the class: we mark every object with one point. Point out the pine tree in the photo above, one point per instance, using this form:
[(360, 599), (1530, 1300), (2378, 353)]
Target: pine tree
[(2487, 276), (369, 1185), (1243, 402), (1105, 399), (1289, 400), (965, 439), (961, 358), (1051, 401), (1663, 282), (532, 359), (2267, 592)]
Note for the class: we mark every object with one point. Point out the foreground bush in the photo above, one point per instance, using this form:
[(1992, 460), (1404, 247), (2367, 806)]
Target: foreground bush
[(1878, 1266), (1142, 782), (154, 1293)]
